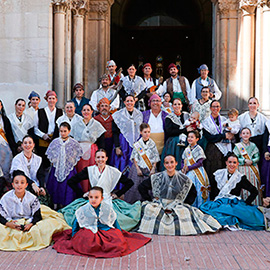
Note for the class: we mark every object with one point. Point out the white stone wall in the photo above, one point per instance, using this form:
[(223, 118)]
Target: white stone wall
[(25, 49)]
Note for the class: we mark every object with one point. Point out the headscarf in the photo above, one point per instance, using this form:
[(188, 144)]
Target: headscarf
[(50, 93), (203, 66), (111, 63), (155, 96), (171, 66), (33, 94), (147, 65), (103, 100)]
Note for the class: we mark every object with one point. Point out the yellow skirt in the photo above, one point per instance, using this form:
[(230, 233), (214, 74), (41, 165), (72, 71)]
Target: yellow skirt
[(38, 237)]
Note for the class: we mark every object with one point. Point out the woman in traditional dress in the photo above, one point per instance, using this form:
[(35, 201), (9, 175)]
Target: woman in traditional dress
[(24, 223), (30, 164), (96, 232), (144, 157), (106, 177), (20, 122), (255, 121), (228, 208), (174, 127), (69, 116), (8, 147), (192, 166), (126, 131), (63, 153), (265, 169), (170, 212), (202, 105), (213, 132), (90, 134), (248, 156), (34, 99)]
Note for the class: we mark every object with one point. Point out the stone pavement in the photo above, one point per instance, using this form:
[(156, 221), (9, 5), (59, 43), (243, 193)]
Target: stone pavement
[(223, 250)]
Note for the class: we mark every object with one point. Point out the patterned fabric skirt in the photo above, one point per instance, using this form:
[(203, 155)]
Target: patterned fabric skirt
[(181, 220), (85, 184), (171, 148), (233, 211), (103, 244), (38, 237), (128, 215), (61, 192), (123, 163), (194, 178), (265, 174), (247, 171), (133, 194)]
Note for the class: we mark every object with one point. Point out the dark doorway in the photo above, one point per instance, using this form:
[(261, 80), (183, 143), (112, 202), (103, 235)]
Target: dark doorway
[(145, 29)]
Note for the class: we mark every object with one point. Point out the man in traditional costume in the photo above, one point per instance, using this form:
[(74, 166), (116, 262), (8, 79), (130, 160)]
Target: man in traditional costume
[(170, 212), (113, 76), (203, 81), (105, 92), (79, 99)]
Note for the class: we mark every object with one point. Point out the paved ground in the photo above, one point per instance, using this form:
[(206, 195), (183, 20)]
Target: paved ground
[(224, 250)]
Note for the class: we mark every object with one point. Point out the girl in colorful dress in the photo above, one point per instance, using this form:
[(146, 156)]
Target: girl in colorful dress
[(63, 153), (96, 232), (248, 157), (24, 224), (144, 157), (192, 166)]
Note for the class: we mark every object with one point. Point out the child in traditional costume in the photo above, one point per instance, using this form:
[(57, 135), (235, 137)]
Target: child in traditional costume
[(248, 157), (96, 232), (25, 225), (144, 157), (63, 153), (192, 166)]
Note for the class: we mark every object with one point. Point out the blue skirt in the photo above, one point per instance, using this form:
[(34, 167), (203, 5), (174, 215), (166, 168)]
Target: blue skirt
[(233, 211)]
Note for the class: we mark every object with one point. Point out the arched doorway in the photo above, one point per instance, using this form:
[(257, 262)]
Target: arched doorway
[(175, 30)]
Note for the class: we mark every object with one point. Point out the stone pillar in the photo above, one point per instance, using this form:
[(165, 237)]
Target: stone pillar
[(248, 8), (79, 8), (59, 7), (98, 38), (227, 51), (265, 101)]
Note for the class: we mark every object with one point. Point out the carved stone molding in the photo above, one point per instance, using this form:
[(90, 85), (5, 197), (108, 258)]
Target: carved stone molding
[(225, 6), (264, 3), (248, 6), (60, 6), (79, 7), (100, 7)]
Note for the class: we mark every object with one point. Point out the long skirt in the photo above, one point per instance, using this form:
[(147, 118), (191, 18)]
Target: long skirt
[(265, 174), (61, 192), (171, 148), (128, 215), (103, 244), (133, 194), (183, 219), (85, 184), (247, 171), (109, 149), (123, 163), (234, 211), (199, 187), (38, 237)]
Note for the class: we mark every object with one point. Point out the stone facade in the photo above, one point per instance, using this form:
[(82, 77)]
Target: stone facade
[(52, 44)]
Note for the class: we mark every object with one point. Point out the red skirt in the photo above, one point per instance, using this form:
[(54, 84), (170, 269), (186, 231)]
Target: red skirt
[(103, 244), (85, 184)]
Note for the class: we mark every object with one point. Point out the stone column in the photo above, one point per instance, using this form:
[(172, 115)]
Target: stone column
[(59, 8), (265, 101), (79, 8), (98, 38), (248, 8), (227, 53)]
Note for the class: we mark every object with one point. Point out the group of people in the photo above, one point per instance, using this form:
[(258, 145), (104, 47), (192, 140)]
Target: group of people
[(137, 156)]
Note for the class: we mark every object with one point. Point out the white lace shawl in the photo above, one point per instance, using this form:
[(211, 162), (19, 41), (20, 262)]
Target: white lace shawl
[(197, 153), (129, 125), (72, 122), (12, 208), (226, 186), (30, 168), (176, 119), (257, 127), (151, 151), (108, 179), (20, 128), (87, 217), (64, 156), (210, 126), (175, 188)]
